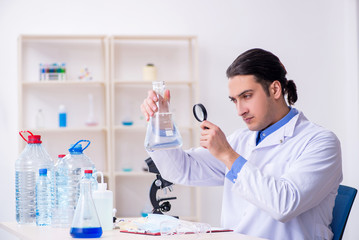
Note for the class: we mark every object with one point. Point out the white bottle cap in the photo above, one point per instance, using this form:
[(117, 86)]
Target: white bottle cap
[(62, 108)]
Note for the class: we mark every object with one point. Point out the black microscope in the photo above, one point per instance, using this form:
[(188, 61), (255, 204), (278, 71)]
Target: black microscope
[(160, 205)]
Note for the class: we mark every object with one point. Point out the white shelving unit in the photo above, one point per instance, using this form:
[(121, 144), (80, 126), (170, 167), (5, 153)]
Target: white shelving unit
[(118, 88)]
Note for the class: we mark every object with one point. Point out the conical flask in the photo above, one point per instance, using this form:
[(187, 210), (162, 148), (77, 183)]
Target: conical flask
[(86, 223), (162, 132)]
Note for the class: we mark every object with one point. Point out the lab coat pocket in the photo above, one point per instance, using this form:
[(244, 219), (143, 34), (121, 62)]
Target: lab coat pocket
[(323, 232)]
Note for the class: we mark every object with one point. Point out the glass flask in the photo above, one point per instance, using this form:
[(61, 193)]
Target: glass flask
[(162, 132), (86, 223)]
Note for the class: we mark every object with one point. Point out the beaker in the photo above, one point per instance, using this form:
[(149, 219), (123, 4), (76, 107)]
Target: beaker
[(162, 132), (86, 223)]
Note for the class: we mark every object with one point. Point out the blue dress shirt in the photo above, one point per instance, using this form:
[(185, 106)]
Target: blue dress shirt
[(261, 135)]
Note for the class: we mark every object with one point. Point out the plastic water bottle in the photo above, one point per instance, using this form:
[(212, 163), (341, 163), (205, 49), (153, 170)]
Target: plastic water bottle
[(90, 175), (31, 159), (61, 212), (86, 223), (103, 200), (77, 162), (43, 199)]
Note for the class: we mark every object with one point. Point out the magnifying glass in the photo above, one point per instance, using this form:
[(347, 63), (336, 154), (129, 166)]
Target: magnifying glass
[(200, 112)]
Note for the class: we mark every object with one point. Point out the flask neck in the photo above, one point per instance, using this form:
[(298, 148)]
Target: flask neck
[(162, 103), (159, 87)]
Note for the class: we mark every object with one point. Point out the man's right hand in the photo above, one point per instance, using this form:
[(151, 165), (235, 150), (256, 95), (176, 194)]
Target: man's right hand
[(149, 106)]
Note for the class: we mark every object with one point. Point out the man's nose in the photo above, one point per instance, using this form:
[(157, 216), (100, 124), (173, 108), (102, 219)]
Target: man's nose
[(241, 110)]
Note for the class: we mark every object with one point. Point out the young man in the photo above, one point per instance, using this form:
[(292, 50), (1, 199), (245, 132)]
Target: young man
[(281, 175)]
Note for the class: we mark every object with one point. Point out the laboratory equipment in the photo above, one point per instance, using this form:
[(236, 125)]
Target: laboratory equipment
[(52, 72), (200, 112), (159, 184), (31, 159), (149, 72), (77, 162), (43, 199), (91, 121), (62, 116), (162, 132), (61, 212), (85, 74), (127, 116), (103, 200), (40, 119), (86, 223)]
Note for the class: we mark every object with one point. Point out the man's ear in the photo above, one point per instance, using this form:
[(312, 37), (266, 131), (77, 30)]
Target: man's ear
[(276, 89)]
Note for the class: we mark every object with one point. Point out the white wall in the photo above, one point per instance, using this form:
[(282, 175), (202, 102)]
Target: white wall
[(316, 40)]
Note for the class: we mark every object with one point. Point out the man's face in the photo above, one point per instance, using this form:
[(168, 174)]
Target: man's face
[(252, 103)]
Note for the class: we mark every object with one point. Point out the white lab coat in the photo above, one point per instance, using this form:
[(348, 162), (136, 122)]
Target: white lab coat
[(287, 188)]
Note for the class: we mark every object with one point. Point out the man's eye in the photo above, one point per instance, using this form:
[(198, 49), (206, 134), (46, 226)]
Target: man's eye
[(246, 96), (233, 100)]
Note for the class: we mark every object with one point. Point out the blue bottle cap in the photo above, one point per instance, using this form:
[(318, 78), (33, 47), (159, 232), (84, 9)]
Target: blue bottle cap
[(75, 150), (43, 171)]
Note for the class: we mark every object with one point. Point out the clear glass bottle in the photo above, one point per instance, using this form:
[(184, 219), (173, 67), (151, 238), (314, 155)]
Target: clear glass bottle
[(86, 223), (162, 132)]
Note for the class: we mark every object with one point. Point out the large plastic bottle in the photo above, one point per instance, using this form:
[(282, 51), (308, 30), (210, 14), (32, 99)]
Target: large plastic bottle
[(43, 199), (77, 162), (61, 211), (86, 223), (103, 200), (162, 132), (31, 159)]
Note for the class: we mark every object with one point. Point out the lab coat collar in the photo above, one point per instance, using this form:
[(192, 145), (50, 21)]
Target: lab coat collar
[(279, 136)]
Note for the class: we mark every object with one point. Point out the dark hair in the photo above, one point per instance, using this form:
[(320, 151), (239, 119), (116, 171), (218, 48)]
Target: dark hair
[(266, 68)]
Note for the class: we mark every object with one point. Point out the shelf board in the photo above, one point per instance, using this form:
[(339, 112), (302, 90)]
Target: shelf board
[(143, 128), (153, 37), (62, 37), (135, 174), (63, 83), (146, 84), (70, 130)]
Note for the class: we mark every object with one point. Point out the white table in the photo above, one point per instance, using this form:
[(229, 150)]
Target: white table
[(33, 232)]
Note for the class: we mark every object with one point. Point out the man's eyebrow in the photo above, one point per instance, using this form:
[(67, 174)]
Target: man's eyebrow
[(242, 93)]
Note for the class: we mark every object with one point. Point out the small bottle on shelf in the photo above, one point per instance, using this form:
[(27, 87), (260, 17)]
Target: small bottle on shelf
[(40, 119), (62, 116), (149, 72)]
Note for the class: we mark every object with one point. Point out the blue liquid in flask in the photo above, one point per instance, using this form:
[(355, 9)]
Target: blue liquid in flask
[(94, 232)]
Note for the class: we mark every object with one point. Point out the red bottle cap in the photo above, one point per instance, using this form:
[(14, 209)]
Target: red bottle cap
[(34, 139), (61, 155), (88, 171)]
